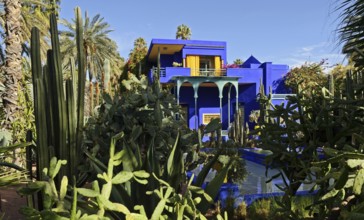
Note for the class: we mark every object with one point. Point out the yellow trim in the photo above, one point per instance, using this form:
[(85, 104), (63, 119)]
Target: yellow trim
[(193, 62), (217, 66), (197, 66), (207, 117)]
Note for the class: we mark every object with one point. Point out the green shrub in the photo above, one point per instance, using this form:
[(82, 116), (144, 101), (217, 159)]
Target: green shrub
[(319, 121), (301, 204), (260, 209), (96, 202), (271, 208), (149, 141), (239, 212)]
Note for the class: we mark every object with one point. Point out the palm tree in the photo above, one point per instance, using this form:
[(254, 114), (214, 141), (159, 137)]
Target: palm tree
[(137, 56), (35, 14), (351, 30), (17, 17), (12, 66), (98, 46), (238, 62), (183, 32)]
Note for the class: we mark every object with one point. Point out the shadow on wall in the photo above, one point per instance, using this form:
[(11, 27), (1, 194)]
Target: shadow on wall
[(279, 87)]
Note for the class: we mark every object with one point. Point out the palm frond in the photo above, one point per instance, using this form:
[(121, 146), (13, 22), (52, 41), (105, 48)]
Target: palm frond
[(10, 177), (351, 29)]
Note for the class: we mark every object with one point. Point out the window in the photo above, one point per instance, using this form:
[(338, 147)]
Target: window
[(206, 62), (207, 117)]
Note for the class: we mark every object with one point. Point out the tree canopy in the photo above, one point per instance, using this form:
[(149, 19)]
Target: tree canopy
[(136, 63), (98, 45), (183, 32), (350, 30)]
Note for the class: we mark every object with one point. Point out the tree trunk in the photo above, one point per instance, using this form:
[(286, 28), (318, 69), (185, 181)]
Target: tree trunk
[(12, 69), (91, 94), (97, 91)]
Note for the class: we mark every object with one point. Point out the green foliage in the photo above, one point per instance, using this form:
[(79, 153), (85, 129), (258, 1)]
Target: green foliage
[(261, 209), (34, 13), (106, 77), (146, 118), (24, 117), (326, 118), (58, 111), (5, 137), (133, 132), (12, 178), (183, 32), (306, 78), (237, 172), (136, 63), (350, 30), (86, 203), (10, 173), (238, 61), (240, 211), (233, 212), (97, 46), (153, 140), (271, 208), (96, 203)]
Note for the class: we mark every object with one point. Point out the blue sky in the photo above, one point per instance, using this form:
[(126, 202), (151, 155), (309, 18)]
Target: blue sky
[(281, 31)]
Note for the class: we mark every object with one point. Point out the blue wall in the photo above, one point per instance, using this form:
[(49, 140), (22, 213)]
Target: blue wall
[(273, 76), (208, 102), (248, 98), (204, 52), (167, 60), (250, 76), (208, 97), (277, 78)]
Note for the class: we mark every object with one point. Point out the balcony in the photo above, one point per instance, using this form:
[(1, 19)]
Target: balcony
[(210, 72), (166, 73), (246, 75)]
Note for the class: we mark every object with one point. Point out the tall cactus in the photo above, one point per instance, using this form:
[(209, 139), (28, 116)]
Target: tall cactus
[(40, 108), (331, 85), (81, 76), (57, 90), (58, 111)]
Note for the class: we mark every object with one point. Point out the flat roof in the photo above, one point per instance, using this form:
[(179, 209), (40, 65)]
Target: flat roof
[(171, 46)]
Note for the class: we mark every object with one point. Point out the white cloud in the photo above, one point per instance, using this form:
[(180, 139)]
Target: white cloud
[(310, 48), (315, 53)]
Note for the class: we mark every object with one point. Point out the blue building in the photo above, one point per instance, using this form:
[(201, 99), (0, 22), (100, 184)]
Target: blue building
[(205, 87)]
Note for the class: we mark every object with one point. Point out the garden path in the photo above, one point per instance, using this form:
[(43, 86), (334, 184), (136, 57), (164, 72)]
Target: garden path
[(10, 203)]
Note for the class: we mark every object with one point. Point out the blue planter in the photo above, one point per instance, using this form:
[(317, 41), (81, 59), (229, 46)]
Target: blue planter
[(228, 190)]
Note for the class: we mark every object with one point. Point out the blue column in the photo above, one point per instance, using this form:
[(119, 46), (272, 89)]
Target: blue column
[(195, 85)]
